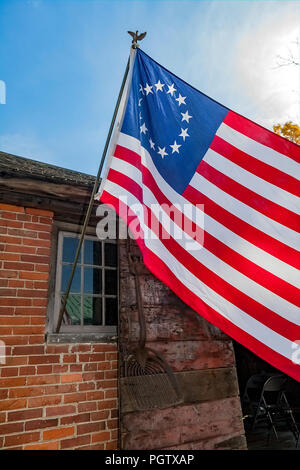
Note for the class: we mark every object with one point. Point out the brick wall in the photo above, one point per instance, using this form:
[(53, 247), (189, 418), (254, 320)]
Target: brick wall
[(52, 396)]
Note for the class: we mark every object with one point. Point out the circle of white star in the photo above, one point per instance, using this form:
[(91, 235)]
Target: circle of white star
[(159, 87)]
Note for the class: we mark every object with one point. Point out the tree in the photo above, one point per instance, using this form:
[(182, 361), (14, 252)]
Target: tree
[(289, 130)]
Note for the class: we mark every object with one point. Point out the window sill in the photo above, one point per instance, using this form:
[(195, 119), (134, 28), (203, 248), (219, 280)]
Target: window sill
[(55, 338)]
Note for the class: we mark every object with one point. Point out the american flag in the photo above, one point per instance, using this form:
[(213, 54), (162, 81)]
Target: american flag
[(212, 200)]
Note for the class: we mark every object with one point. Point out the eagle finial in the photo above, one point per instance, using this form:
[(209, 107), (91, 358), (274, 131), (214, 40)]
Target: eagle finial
[(136, 37)]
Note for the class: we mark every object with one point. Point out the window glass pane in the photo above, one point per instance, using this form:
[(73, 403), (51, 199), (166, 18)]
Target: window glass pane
[(110, 281), (72, 315), (110, 252), (92, 310), (111, 311), (70, 245), (65, 276), (92, 281), (92, 252)]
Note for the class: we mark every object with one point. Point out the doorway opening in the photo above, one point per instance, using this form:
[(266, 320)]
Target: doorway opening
[(270, 403)]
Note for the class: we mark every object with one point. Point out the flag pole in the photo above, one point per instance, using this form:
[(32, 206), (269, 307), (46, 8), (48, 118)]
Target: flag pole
[(134, 45)]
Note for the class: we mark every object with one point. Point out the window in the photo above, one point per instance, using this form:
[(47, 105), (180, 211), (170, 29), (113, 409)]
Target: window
[(93, 301)]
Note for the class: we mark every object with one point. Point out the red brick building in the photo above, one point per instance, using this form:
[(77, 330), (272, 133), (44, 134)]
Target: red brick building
[(66, 390)]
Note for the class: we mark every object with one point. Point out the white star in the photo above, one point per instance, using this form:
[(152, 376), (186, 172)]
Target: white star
[(140, 100), (148, 89), (171, 89), (159, 86), (186, 117), (184, 133), (143, 129), (181, 99), (141, 89), (162, 152), (152, 145), (175, 147)]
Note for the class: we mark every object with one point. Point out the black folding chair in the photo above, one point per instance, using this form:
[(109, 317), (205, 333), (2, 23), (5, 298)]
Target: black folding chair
[(274, 408)]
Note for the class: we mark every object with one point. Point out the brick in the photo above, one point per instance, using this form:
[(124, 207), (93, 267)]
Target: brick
[(16, 361), (60, 410), (40, 285), (69, 358), (9, 257), (56, 348), (28, 370), (92, 447), (12, 382), (75, 442), (58, 433), (6, 310), (99, 415), (112, 424), (31, 293), (35, 259), (18, 266), (101, 436), (78, 418), (15, 302), (8, 292), (40, 302), (34, 276), (33, 242), (20, 249), (11, 223), (75, 367), (12, 404), (43, 380), (95, 395), (71, 378), (47, 359), (28, 330), (3, 393), (8, 274), (80, 348), (36, 339), (55, 389), (86, 386), (40, 212), (44, 446), (112, 445), (9, 371), (40, 424), (11, 240), (25, 392), (87, 428), (15, 283), (21, 438), (17, 232), (45, 220), (28, 350), (44, 401), (10, 207), (104, 348), (38, 320), (4, 282), (8, 215), (111, 393), (91, 357), (46, 369), (107, 404), (11, 428), (24, 415), (2, 417), (15, 320), (75, 397), (87, 406), (37, 226)]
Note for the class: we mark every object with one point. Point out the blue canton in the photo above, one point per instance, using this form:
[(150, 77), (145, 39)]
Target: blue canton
[(175, 122)]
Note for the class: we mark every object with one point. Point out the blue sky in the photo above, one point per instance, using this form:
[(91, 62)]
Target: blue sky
[(62, 62)]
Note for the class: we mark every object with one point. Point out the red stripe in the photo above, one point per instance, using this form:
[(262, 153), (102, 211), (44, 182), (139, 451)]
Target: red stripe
[(255, 166), (247, 196), (215, 282), (243, 229), (162, 272), (215, 246), (262, 135)]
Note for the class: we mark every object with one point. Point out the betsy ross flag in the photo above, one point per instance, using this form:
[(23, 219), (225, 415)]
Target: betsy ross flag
[(213, 201)]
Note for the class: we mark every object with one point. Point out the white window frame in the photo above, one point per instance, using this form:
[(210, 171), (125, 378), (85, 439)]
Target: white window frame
[(107, 329)]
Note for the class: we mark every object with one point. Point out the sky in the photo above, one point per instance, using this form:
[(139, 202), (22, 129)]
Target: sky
[(62, 63)]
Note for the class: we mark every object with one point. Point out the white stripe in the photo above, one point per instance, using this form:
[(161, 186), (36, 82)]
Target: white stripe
[(256, 219), (241, 246), (259, 151), (244, 284), (254, 183), (244, 212), (226, 309)]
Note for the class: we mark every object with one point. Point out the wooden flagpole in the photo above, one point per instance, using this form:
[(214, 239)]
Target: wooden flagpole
[(136, 37)]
